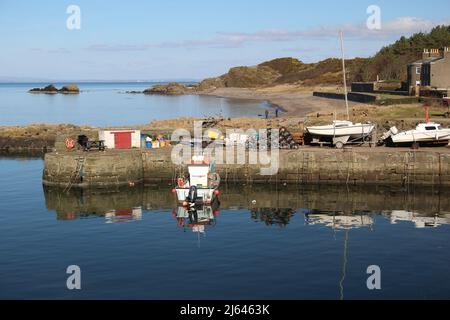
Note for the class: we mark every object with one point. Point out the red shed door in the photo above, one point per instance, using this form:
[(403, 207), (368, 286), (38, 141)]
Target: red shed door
[(122, 140)]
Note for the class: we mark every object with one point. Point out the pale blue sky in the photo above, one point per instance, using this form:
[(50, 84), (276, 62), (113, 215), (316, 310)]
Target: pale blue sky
[(192, 39)]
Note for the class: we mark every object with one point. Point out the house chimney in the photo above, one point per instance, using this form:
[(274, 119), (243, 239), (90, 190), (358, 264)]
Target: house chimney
[(434, 53), (425, 54), (446, 52)]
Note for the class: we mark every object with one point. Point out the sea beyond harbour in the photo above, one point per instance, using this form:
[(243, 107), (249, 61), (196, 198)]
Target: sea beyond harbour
[(108, 104)]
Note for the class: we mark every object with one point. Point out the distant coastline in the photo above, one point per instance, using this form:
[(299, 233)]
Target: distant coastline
[(6, 80)]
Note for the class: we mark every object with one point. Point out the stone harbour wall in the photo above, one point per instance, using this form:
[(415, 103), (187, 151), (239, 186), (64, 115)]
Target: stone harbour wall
[(357, 166), (96, 170)]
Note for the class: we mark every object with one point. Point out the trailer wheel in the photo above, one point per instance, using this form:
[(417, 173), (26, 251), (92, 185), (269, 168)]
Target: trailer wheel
[(415, 146), (339, 145)]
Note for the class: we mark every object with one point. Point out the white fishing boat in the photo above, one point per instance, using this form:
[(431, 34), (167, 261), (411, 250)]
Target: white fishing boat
[(430, 132), (201, 187), (341, 128)]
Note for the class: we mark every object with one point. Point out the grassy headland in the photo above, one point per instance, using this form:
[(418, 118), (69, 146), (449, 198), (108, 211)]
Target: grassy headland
[(289, 82)]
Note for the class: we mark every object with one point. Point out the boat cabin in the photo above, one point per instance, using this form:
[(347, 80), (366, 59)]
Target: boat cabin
[(198, 175), (429, 126), (342, 124)]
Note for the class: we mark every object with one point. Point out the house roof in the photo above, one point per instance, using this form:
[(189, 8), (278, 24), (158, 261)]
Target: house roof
[(427, 60)]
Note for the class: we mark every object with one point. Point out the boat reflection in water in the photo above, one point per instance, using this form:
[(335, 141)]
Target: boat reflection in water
[(345, 222), (420, 220), (196, 218), (355, 220), (333, 207), (339, 220)]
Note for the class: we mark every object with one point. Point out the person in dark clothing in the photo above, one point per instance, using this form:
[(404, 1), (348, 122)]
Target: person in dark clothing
[(277, 111), (267, 114)]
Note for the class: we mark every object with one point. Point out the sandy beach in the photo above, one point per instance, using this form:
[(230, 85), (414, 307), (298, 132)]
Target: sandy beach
[(295, 101)]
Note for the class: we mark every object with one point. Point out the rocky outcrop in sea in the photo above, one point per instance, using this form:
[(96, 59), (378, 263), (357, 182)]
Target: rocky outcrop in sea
[(51, 89)]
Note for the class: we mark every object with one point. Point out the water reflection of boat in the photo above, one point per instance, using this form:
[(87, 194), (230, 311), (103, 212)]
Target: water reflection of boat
[(196, 218), (419, 221), (334, 204), (339, 220)]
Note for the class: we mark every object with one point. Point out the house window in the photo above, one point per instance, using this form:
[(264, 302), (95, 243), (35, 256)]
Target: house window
[(418, 70)]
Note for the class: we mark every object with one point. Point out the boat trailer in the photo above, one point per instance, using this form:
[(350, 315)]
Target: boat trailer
[(340, 141)]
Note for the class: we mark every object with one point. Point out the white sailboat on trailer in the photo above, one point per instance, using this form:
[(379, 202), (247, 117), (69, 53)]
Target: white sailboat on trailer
[(340, 132), (341, 128)]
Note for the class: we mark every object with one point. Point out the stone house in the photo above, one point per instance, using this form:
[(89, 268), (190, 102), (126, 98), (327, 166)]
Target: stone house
[(432, 71)]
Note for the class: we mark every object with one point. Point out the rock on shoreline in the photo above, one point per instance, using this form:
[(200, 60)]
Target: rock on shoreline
[(170, 89), (37, 137), (51, 89)]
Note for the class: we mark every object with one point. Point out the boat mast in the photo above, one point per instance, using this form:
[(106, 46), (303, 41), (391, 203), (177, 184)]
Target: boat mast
[(341, 35)]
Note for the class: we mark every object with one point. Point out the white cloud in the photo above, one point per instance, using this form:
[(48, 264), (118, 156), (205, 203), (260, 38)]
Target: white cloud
[(403, 26), (390, 30), (408, 25)]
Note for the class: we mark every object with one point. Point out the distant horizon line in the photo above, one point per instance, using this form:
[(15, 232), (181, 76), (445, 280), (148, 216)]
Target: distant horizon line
[(96, 81)]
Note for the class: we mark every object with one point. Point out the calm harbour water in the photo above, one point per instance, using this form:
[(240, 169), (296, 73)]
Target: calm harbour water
[(107, 104), (289, 244)]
